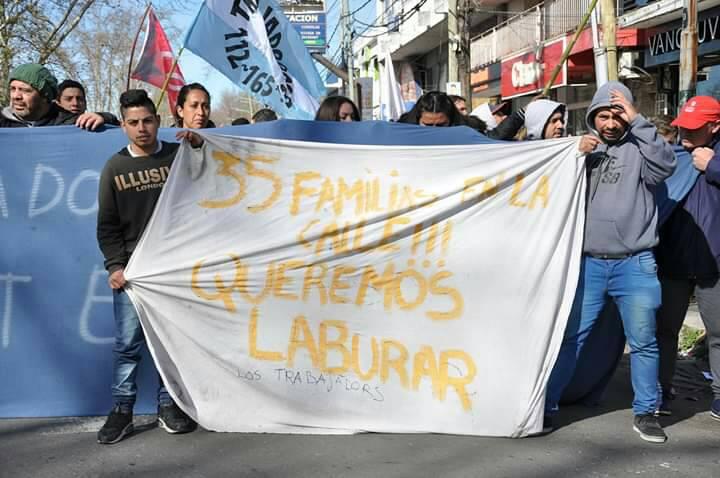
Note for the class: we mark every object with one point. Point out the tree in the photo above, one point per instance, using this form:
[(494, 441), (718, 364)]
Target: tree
[(101, 48), (35, 30), (87, 40), (233, 104)]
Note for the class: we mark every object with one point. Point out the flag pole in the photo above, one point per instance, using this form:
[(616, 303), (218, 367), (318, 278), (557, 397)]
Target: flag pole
[(568, 49), (134, 44), (167, 78)]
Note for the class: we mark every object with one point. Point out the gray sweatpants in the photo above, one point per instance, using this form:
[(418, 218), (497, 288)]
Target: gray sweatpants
[(675, 299)]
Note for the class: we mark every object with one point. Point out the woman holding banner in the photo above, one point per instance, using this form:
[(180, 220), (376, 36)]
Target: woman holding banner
[(193, 107)]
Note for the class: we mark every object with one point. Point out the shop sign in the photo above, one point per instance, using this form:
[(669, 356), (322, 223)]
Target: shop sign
[(488, 74), (312, 28), (664, 42), (527, 73)]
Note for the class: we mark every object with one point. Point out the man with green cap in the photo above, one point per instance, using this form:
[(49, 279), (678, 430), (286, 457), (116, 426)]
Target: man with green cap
[(32, 91)]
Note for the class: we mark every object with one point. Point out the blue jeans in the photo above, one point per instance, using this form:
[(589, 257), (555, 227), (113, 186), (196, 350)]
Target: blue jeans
[(633, 284), (129, 341)]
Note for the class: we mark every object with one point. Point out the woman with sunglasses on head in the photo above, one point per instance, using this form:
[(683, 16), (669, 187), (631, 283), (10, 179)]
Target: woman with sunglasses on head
[(337, 108)]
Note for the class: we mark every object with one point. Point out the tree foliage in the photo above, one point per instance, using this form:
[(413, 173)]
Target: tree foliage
[(86, 40), (35, 30), (233, 104)]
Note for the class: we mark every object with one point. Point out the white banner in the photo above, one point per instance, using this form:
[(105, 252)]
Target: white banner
[(303, 287)]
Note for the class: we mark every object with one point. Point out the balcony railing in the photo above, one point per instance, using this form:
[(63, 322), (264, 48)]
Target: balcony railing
[(627, 5), (532, 27)]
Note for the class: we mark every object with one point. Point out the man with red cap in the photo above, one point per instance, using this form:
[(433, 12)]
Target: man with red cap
[(689, 249)]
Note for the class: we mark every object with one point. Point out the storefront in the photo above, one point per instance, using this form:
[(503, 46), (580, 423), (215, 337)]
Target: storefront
[(581, 87), (485, 84), (662, 58), (524, 75)]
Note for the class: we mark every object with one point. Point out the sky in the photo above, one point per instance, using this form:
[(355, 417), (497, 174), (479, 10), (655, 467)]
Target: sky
[(196, 69)]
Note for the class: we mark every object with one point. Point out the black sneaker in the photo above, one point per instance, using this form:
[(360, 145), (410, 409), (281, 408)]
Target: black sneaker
[(118, 425), (649, 428), (715, 409), (174, 420)]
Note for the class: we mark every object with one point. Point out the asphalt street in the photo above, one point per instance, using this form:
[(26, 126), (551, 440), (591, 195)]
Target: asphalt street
[(590, 442)]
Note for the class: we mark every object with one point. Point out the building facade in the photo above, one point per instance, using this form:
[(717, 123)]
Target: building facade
[(515, 45), (512, 60)]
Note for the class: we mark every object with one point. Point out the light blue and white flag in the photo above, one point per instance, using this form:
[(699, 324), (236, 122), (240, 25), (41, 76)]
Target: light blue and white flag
[(253, 44)]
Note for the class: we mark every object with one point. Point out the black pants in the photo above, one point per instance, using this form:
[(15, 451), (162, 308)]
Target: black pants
[(676, 295)]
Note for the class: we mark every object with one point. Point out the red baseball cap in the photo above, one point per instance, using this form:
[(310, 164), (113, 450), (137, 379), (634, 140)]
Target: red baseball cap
[(698, 111)]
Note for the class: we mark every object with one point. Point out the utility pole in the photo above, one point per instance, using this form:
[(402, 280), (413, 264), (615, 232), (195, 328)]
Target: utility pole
[(579, 29), (348, 50), (453, 41), (601, 64), (464, 49), (607, 7), (688, 52)]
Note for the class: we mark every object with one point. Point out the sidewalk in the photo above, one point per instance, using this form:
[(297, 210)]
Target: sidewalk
[(692, 318), (592, 442)]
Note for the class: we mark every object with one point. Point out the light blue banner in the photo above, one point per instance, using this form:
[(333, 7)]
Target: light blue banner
[(56, 321), (231, 51)]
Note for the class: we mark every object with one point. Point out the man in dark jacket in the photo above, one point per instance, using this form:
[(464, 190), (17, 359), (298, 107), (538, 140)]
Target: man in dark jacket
[(689, 249), (628, 163), (71, 97), (130, 185), (32, 92)]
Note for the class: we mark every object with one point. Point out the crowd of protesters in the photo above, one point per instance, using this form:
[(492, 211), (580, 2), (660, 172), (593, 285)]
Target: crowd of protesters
[(648, 269)]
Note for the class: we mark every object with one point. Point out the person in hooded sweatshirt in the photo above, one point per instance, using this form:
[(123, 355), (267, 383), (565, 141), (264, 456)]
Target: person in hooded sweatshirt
[(545, 119), (629, 161), (542, 118)]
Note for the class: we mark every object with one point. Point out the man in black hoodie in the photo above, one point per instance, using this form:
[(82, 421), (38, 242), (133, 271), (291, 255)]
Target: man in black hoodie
[(130, 185), (32, 92)]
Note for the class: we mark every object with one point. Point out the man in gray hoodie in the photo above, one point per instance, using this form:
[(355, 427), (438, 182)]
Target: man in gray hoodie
[(627, 164)]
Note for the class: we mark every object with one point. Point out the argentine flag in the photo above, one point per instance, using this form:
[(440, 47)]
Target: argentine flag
[(254, 45)]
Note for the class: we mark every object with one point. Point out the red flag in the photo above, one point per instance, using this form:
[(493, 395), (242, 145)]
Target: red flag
[(156, 61)]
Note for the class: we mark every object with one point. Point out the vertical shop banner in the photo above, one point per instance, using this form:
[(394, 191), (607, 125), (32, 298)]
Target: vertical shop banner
[(299, 287)]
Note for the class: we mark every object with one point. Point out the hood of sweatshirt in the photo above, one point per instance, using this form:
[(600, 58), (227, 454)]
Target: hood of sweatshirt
[(601, 99), (8, 113), (56, 116), (485, 113), (537, 115)]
